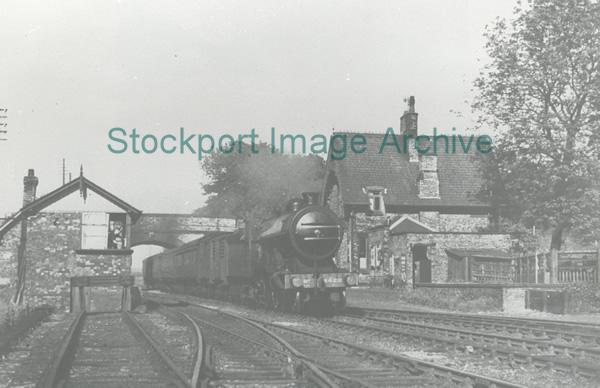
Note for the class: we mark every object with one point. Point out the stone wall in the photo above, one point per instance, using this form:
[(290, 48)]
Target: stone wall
[(462, 222), (52, 259), (397, 260), (334, 203), (438, 243), (455, 299), (362, 225), (399, 249), (173, 230), (8, 264)]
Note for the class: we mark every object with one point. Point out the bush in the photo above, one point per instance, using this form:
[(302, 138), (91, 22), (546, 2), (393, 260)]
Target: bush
[(583, 298)]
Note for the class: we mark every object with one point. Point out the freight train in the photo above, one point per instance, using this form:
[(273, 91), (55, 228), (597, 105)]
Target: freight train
[(288, 266)]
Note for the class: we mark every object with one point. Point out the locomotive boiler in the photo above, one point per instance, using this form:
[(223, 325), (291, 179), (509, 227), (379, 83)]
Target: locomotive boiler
[(288, 265)]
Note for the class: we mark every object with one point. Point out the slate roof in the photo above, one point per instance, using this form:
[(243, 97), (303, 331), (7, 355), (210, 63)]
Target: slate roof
[(459, 176)]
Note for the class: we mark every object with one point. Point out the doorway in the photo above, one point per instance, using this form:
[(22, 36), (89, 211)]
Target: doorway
[(421, 264)]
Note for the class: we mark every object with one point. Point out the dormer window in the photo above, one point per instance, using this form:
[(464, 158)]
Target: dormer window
[(376, 204)]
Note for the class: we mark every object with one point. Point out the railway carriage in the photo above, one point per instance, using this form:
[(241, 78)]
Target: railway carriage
[(289, 266)]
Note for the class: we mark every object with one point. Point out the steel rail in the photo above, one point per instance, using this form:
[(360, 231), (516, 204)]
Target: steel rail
[(200, 356), (457, 332), (183, 380), (585, 369), (57, 373), (59, 368), (460, 377), (317, 374), (440, 371), (494, 319)]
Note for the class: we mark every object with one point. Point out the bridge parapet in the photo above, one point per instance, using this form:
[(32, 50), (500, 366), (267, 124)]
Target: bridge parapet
[(173, 230)]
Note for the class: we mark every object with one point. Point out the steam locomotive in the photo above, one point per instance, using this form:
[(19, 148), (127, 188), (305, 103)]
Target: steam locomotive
[(288, 266)]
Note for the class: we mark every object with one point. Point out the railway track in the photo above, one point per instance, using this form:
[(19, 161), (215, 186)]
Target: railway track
[(573, 332), (574, 350), (350, 364), (241, 353), (113, 350)]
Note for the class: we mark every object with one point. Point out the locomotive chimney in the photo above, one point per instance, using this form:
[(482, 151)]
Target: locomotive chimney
[(294, 204), (311, 198)]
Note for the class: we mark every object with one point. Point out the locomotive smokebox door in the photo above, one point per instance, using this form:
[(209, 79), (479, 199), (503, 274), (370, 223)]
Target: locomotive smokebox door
[(315, 233)]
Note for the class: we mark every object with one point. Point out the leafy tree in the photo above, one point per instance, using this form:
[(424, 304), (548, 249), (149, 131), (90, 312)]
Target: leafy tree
[(255, 186), (541, 90)]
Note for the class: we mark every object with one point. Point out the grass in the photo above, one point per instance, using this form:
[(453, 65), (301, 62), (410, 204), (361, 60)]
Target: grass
[(16, 322)]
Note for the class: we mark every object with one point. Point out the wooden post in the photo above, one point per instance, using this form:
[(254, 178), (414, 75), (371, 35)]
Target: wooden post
[(536, 267), (126, 304), (74, 302), (21, 264), (350, 240), (598, 265), (82, 304)]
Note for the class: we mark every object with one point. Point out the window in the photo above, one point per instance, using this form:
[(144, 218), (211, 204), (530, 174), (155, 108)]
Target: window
[(362, 245), (361, 251), (376, 257), (376, 204), (116, 231), (103, 230)]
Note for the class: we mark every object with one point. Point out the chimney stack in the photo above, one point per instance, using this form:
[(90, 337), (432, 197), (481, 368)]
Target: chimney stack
[(30, 182), (408, 121), (408, 127), (429, 183)]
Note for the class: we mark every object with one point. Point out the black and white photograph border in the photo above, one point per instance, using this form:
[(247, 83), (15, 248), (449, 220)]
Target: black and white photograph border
[(300, 193)]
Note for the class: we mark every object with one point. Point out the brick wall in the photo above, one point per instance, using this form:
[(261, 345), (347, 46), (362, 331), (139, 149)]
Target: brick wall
[(52, 241)]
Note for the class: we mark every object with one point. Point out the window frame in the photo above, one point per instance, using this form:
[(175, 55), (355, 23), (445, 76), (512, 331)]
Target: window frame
[(89, 249)]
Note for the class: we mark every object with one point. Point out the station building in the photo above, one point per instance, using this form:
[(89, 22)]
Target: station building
[(42, 248), (80, 237), (414, 217)]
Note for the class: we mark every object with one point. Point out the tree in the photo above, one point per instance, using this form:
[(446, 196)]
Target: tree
[(541, 90), (256, 186)]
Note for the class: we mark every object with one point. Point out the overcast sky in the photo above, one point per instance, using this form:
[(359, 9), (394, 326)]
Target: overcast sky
[(70, 72)]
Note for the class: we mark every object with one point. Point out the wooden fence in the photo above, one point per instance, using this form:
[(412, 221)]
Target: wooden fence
[(578, 266), (573, 267)]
